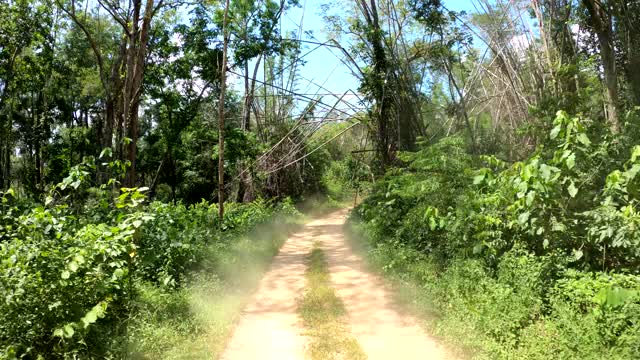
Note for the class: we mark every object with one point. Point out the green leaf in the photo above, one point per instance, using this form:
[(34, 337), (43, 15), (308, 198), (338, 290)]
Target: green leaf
[(432, 223), (105, 152), (531, 195), (523, 218), (545, 171), (583, 139), (613, 297), (526, 173), (571, 161), (478, 179), (65, 274), (578, 254), (73, 266), (137, 223), (89, 318), (478, 248), (555, 131), (635, 153), (68, 331), (166, 280), (573, 190), (545, 243), (613, 179), (558, 227)]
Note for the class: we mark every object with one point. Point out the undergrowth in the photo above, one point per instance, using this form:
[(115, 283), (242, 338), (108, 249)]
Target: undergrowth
[(100, 273), (537, 259), (194, 322)]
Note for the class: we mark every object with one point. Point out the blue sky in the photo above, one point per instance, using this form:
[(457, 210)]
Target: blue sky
[(324, 71)]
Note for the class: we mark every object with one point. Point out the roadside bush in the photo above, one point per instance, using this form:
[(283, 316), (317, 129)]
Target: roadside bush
[(70, 276), (65, 286), (538, 253)]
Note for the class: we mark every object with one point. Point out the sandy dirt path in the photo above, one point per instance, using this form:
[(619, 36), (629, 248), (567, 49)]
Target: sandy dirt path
[(381, 331), (271, 329)]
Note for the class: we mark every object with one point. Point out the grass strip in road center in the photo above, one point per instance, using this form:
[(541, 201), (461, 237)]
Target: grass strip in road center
[(324, 315)]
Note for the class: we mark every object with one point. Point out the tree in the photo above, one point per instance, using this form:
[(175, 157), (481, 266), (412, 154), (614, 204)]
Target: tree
[(600, 21), (122, 80)]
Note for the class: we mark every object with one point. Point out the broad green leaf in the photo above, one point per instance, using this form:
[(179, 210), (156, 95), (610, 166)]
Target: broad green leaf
[(613, 297), (478, 248), (105, 152), (523, 218), (68, 331), (583, 139), (571, 161), (73, 266), (432, 223), (555, 131), (65, 274), (545, 171), (573, 190), (531, 195), (558, 227), (478, 179), (578, 254), (79, 259), (635, 153), (89, 318), (526, 173)]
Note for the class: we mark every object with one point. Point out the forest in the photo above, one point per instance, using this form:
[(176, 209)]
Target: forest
[(155, 155)]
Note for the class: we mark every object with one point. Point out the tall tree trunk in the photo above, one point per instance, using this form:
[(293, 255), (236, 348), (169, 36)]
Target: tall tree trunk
[(600, 20), (628, 24), (223, 85), (136, 57), (383, 106)]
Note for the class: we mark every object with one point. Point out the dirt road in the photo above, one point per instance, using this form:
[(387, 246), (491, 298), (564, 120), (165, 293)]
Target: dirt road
[(271, 329)]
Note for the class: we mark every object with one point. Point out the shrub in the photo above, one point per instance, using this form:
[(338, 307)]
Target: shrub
[(69, 275), (539, 253)]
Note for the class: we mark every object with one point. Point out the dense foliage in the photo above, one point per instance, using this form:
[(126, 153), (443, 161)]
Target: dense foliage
[(540, 255), (70, 277), (118, 134)]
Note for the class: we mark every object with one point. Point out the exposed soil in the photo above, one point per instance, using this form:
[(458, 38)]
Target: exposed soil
[(270, 327)]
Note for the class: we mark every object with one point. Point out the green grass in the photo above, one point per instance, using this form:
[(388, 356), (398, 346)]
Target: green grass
[(195, 322), (323, 314)]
